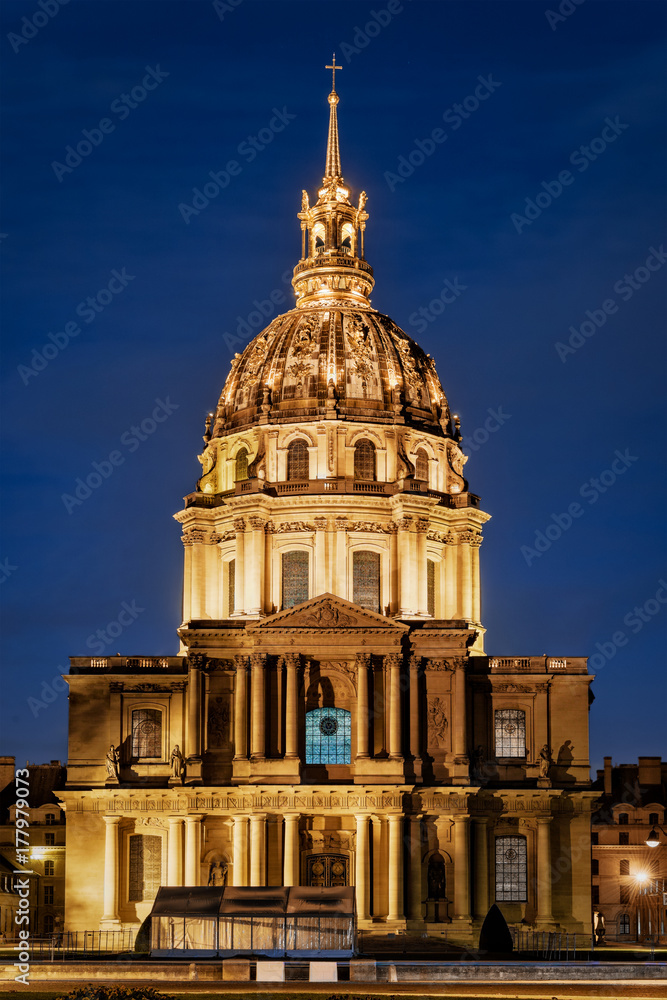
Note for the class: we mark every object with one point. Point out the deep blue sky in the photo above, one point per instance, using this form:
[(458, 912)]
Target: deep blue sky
[(162, 336)]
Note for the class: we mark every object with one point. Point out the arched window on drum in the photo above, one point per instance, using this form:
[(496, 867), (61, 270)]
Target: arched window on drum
[(297, 462), (241, 465), (421, 465), (364, 461)]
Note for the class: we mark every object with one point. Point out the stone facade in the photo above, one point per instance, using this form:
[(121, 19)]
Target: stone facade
[(332, 717)]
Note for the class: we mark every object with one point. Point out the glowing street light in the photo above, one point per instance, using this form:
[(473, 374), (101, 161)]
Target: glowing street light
[(653, 839)]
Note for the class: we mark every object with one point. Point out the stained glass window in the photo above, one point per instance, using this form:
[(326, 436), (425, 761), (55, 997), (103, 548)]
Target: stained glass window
[(511, 870), (145, 867), (510, 732), (297, 462), (147, 733), (364, 460), (421, 465), (366, 580), (430, 586), (328, 736), (241, 466), (295, 578), (231, 585)]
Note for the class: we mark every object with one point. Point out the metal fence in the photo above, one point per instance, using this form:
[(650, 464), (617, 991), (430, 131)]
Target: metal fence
[(58, 947), (551, 945)]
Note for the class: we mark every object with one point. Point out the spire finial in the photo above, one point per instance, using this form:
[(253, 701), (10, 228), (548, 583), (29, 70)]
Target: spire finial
[(333, 167)]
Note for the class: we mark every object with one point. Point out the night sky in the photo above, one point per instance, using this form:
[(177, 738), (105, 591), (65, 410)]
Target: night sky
[(529, 231)]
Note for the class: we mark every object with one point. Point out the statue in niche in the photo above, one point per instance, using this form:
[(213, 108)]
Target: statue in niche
[(217, 873), (113, 763), (545, 761), (477, 764), (437, 883), (218, 723), (437, 723), (177, 766)]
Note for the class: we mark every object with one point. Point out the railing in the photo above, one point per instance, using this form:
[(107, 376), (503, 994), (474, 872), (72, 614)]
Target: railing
[(551, 945), (59, 946), (509, 663), (172, 663), (556, 664)]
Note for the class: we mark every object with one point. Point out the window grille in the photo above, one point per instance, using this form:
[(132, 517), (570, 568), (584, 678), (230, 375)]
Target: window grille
[(623, 839), (624, 923), (510, 727), (430, 586), (297, 462), (328, 736), (366, 580), (147, 732), (364, 460), (295, 578), (241, 465), (511, 869), (48, 895), (421, 465), (624, 867), (622, 819), (624, 894), (49, 867), (145, 867), (231, 585), (50, 819)]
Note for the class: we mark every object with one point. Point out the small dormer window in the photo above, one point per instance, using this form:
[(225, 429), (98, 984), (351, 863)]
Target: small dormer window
[(622, 819), (50, 819)]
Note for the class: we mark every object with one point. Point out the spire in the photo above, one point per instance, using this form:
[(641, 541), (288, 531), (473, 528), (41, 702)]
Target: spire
[(333, 168)]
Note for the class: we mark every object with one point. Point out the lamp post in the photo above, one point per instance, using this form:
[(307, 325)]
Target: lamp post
[(653, 888), (653, 839)]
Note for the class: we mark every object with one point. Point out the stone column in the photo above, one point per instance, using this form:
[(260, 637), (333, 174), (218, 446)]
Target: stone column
[(257, 848), (240, 846), (257, 727), (451, 580), (394, 679), (192, 849), (175, 851), (422, 575), (193, 742), (291, 709), (481, 869), (461, 868), (340, 569), (407, 599), (395, 867), (475, 542), (361, 872), (379, 865), (460, 720), (415, 735), (239, 568), (241, 708), (416, 912), (291, 852), (254, 568), (110, 899), (362, 704), (320, 555), (465, 576), (544, 915)]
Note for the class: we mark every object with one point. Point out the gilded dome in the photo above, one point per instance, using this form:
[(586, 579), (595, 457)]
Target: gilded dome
[(341, 362)]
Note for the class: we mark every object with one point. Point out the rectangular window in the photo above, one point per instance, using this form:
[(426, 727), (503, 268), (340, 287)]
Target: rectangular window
[(510, 730), (366, 580), (50, 819), (595, 867), (624, 867), (430, 587), (49, 839), (294, 578), (625, 894), (147, 733), (511, 869), (231, 585), (49, 867), (595, 894), (48, 895), (145, 867), (624, 839), (595, 838)]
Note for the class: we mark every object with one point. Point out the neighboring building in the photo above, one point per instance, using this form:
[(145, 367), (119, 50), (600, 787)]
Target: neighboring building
[(338, 720), (46, 835), (630, 878)]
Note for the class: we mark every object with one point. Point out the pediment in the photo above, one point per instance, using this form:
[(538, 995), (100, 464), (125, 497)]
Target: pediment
[(329, 613)]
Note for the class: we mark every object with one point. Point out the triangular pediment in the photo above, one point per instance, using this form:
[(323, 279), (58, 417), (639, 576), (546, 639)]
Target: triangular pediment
[(329, 613)]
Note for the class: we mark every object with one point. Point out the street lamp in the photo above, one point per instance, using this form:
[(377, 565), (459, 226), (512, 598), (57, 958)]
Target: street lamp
[(653, 839)]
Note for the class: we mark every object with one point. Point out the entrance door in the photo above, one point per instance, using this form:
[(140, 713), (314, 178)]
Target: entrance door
[(327, 870)]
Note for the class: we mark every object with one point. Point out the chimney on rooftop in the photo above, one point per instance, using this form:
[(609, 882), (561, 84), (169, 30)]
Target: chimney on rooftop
[(607, 775), (648, 770)]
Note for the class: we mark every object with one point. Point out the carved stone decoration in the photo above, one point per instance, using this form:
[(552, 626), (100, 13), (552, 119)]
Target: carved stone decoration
[(257, 523), (327, 616), (217, 873), (373, 526), (320, 523), (511, 687), (196, 661), (294, 526), (218, 723), (437, 723), (456, 483), (403, 523), (470, 538), (438, 665), (340, 666), (239, 524), (422, 524), (240, 662), (150, 821)]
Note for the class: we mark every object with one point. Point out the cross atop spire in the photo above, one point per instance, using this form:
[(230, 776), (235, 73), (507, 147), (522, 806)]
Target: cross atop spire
[(333, 68)]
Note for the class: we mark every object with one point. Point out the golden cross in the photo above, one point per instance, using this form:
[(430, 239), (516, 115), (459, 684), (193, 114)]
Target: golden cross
[(333, 74)]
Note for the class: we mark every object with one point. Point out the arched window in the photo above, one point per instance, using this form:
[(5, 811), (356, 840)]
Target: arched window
[(145, 867), (147, 732), (437, 884), (328, 736), (510, 731), (297, 462), (366, 580), (430, 586), (624, 923), (511, 870), (241, 465), (622, 819), (421, 465), (50, 819), (295, 579), (231, 585), (364, 460)]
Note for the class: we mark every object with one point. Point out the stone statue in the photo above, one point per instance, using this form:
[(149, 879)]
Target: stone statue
[(437, 723), (113, 762), (545, 761), (176, 762), (477, 764), (217, 873), (304, 201)]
